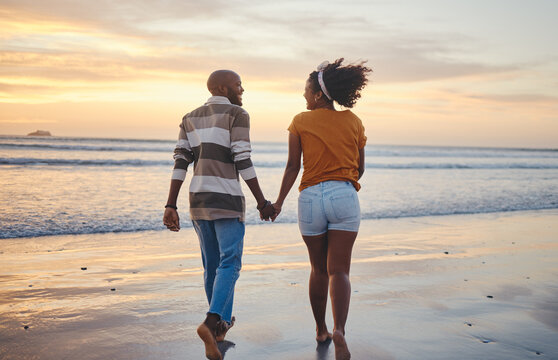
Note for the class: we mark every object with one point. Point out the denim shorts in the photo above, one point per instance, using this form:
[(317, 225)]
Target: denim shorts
[(329, 205)]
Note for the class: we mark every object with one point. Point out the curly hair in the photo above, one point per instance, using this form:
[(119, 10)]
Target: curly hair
[(343, 83)]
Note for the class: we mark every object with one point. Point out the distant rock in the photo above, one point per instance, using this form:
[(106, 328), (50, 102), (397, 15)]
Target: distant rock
[(40, 133)]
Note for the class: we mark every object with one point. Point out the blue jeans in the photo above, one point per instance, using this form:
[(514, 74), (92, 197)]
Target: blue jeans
[(329, 205), (221, 244)]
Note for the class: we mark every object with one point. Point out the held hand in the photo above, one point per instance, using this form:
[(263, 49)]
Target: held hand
[(277, 210), (267, 212), (171, 219)]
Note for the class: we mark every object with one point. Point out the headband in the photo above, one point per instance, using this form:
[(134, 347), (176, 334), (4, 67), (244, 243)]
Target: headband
[(321, 68)]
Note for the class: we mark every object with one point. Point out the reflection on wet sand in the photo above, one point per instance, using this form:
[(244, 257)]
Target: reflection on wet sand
[(449, 287)]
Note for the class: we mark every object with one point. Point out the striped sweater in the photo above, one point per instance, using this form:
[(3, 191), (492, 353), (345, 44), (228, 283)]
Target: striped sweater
[(216, 138)]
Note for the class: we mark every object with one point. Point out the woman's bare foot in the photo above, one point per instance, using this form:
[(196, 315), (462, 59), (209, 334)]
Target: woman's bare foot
[(222, 328), (211, 350), (341, 349)]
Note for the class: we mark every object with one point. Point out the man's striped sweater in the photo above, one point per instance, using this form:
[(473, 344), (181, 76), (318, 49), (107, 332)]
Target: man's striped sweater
[(216, 138)]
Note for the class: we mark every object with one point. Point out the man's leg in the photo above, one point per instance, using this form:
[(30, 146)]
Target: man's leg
[(230, 236), (209, 252), (210, 259)]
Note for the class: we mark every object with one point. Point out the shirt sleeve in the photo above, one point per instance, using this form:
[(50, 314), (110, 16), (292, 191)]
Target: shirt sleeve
[(292, 128), (183, 155), (240, 146)]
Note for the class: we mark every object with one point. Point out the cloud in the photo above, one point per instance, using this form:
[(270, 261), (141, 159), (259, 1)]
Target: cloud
[(59, 43), (516, 98), (33, 120)]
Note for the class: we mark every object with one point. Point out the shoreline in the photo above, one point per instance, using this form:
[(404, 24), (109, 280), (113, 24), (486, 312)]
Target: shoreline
[(262, 223), (436, 287)]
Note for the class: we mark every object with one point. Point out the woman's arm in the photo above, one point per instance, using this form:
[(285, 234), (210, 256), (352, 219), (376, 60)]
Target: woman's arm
[(360, 162), (291, 171)]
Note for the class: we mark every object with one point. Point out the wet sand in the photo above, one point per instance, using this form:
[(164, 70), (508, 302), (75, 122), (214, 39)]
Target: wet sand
[(452, 287)]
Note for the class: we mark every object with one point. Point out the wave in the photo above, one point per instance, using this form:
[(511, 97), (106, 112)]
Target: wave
[(8, 233), (441, 166), (166, 146), (81, 162), (86, 148), (274, 164), (448, 212)]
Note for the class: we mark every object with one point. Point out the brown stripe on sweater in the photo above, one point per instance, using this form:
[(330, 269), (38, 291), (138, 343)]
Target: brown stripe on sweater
[(216, 168), (240, 134), (222, 121), (217, 201), (181, 164), (243, 164), (213, 152), (200, 117), (212, 214)]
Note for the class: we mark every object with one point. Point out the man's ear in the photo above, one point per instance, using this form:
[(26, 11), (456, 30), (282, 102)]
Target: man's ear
[(223, 90)]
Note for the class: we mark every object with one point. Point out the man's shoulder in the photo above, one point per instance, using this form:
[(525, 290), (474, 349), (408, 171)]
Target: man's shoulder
[(213, 109)]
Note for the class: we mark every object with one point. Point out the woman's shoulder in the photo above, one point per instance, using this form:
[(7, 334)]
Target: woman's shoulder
[(351, 116), (348, 113), (302, 116)]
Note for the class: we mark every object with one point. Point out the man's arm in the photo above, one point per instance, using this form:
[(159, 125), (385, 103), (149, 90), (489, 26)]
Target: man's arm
[(241, 149), (183, 156), (171, 218)]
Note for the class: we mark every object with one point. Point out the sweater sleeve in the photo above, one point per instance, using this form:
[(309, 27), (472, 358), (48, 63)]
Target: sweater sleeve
[(183, 155), (240, 145)]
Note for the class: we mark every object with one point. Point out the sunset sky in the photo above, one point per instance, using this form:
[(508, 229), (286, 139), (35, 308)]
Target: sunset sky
[(479, 73)]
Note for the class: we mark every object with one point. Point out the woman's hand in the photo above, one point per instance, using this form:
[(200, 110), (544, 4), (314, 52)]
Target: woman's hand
[(277, 209)]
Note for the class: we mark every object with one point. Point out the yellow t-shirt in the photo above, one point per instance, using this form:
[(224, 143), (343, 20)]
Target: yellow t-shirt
[(330, 143)]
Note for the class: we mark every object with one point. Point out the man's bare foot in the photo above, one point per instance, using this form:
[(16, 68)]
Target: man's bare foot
[(323, 337), (222, 328), (211, 350), (341, 349)]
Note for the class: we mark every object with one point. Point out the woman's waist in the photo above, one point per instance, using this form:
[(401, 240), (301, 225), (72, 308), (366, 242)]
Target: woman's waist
[(328, 184)]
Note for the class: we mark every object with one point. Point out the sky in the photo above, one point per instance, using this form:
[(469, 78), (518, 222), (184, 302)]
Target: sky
[(445, 72)]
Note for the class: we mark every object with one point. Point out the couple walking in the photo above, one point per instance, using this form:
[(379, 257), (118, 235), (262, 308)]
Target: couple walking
[(215, 137)]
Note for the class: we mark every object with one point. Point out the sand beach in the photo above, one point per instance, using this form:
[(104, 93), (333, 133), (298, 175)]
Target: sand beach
[(448, 287)]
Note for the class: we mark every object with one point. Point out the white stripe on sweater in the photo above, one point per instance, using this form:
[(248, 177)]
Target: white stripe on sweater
[(215, 184), (178, 174), (248, 174), (241, 150), (210, 135)]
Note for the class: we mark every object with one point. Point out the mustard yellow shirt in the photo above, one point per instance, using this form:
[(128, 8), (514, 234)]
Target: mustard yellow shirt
[(330, 143)]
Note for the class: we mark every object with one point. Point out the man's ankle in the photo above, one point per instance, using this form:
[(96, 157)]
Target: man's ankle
[(211, 321)]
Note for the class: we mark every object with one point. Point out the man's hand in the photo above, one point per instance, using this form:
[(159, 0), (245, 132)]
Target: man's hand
[(267, 212), (171, 219)]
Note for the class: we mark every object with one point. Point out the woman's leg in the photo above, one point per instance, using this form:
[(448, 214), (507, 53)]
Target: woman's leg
[(340, 246), (318, 283)]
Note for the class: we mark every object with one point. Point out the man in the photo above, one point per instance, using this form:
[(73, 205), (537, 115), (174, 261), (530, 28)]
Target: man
[(215, 137)]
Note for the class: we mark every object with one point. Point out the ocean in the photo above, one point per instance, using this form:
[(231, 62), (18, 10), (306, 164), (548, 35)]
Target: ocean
[(64, 185)]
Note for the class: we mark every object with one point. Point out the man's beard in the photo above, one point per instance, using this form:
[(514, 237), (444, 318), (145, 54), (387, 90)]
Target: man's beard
[(234, 97)]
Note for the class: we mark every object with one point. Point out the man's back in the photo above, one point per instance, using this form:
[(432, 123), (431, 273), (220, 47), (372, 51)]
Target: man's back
[(217, 134)]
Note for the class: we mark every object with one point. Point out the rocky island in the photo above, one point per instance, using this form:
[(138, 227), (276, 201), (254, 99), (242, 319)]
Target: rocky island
[(40, 133)]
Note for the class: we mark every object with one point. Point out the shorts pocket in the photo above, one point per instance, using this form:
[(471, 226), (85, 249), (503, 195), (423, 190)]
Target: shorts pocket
[(305, 210), (345, 206)]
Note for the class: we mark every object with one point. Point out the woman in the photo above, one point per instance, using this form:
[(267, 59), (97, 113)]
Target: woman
[(332, 143)]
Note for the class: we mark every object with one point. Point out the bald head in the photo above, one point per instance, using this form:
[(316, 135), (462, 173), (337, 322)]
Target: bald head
[(226, 83), (220, 78)]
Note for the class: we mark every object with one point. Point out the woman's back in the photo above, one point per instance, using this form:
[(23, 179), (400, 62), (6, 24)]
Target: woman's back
[(330, 145)]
